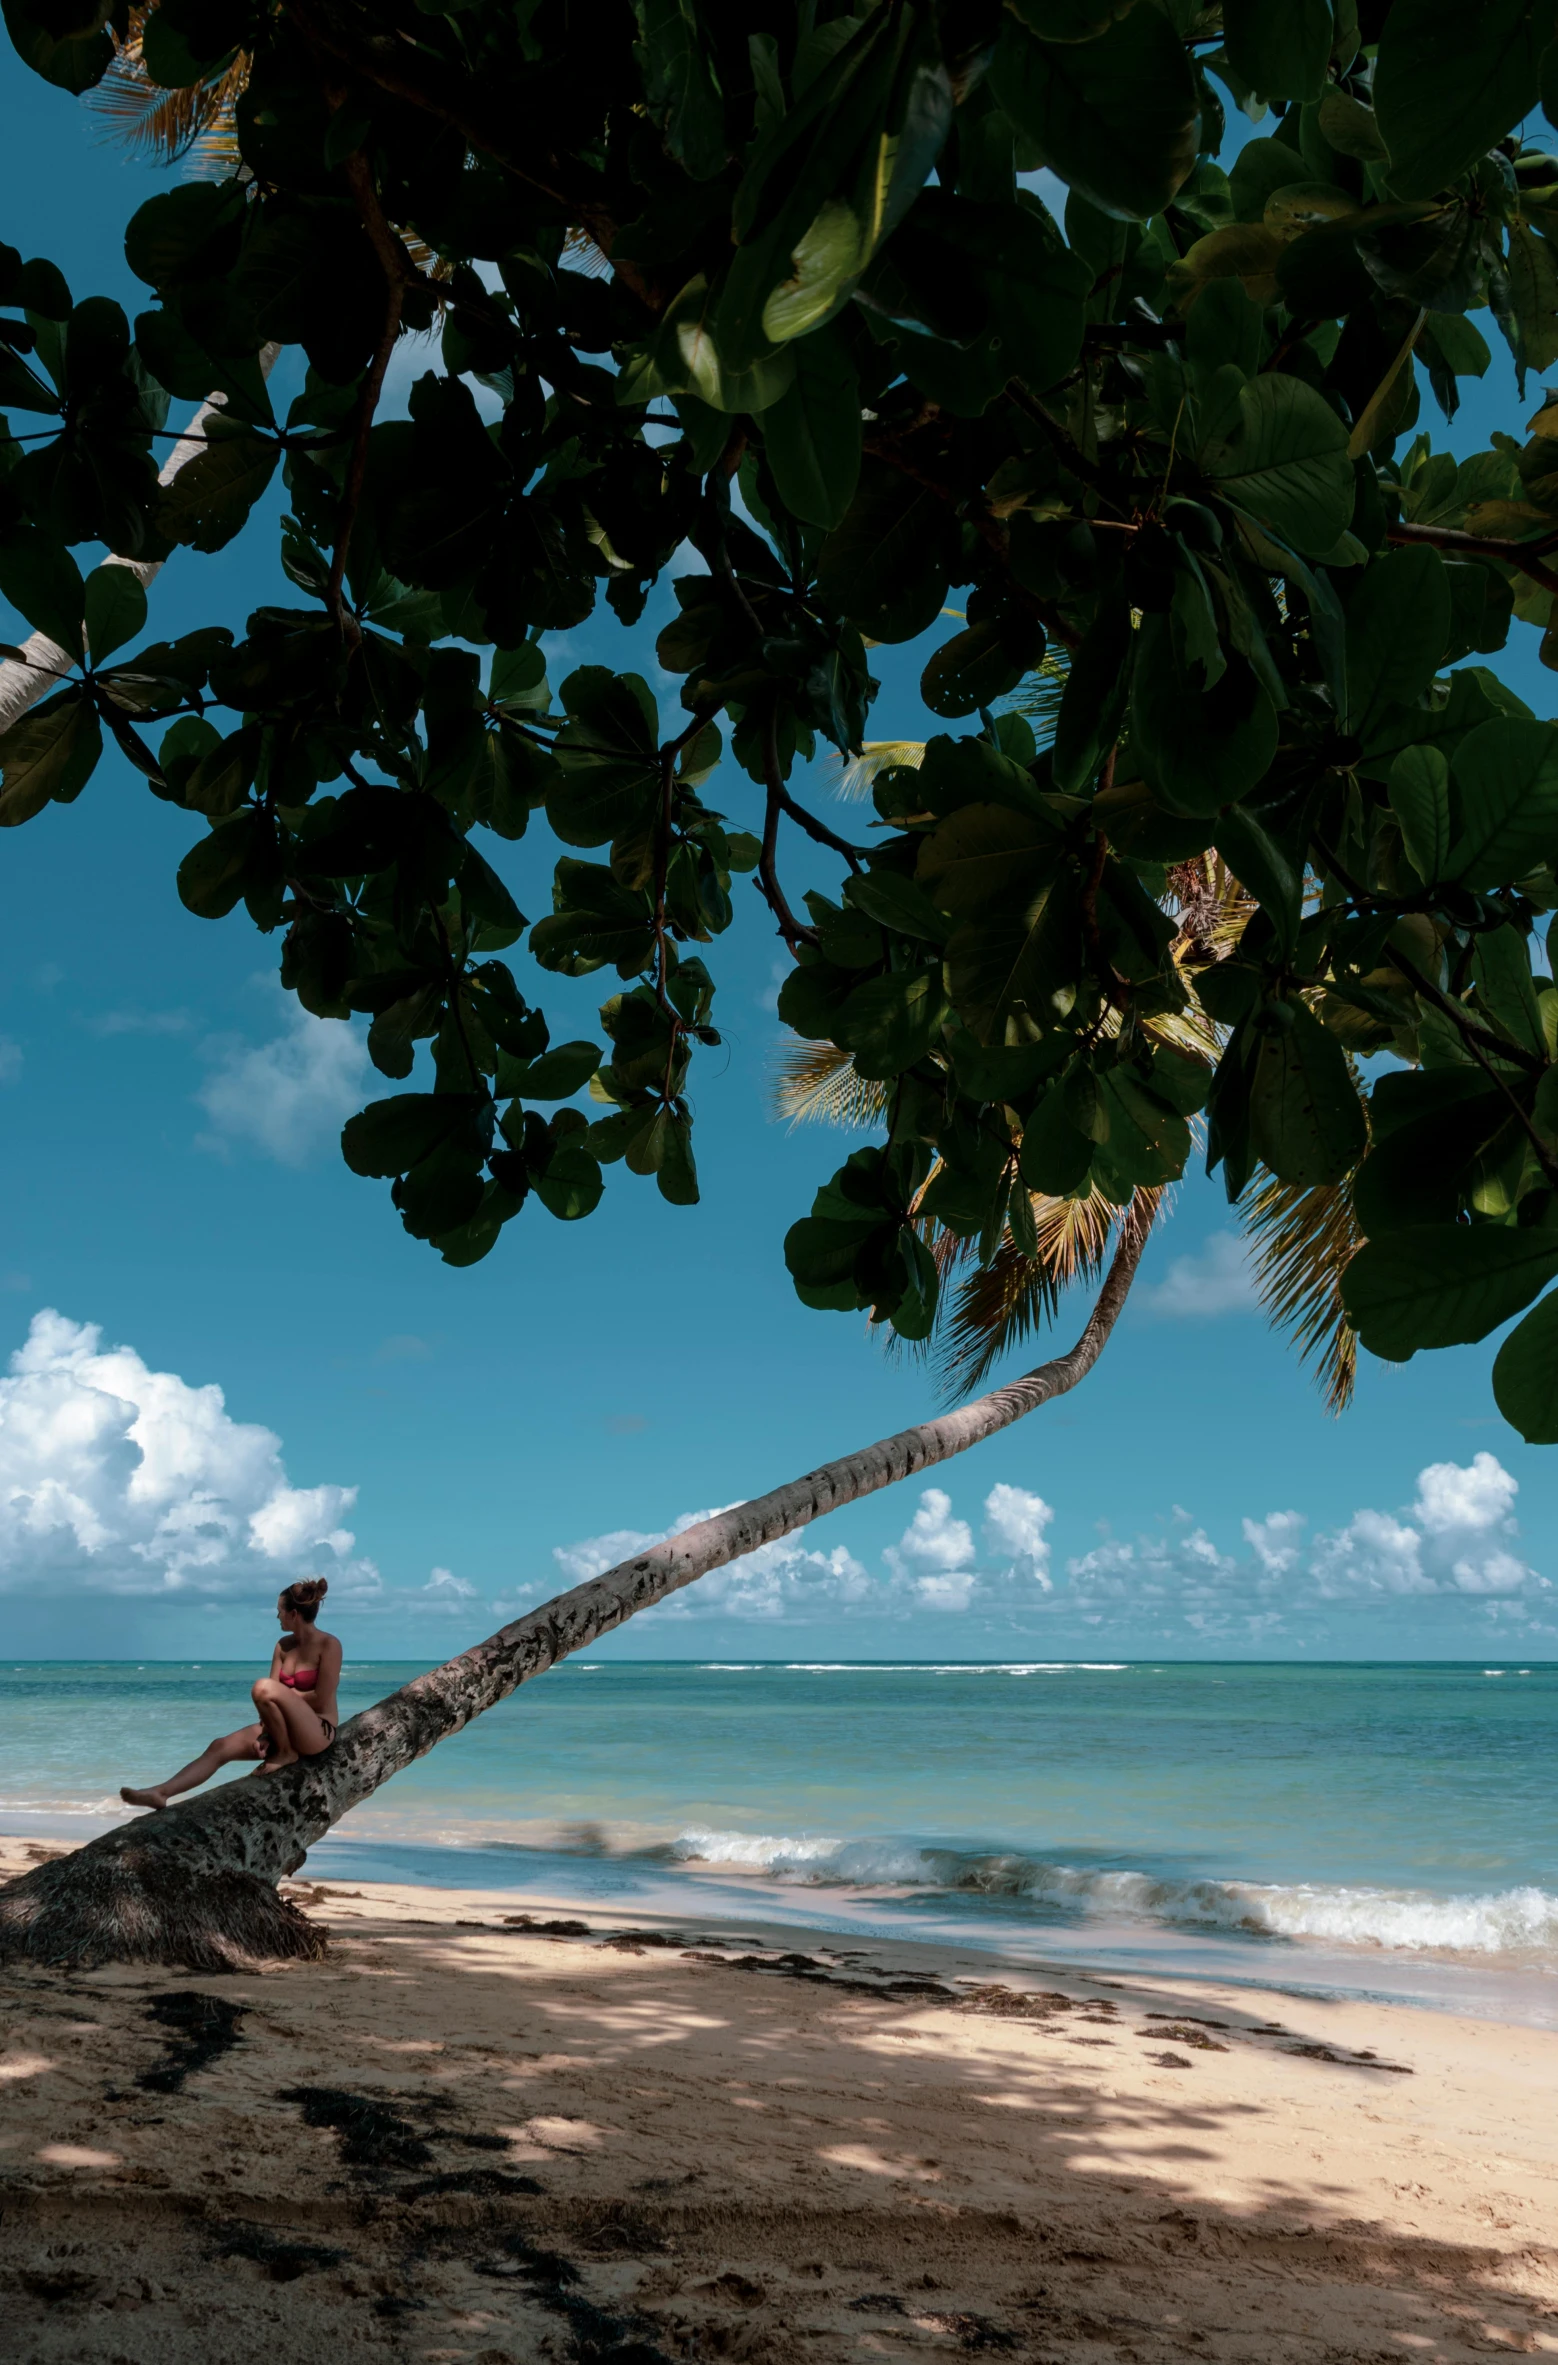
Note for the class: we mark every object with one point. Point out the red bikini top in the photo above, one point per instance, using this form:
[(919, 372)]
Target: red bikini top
[(303, 1681)]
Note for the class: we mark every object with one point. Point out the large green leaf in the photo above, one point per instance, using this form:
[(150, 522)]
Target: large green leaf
[(595, 919), (391, 1136), (610, 767), (1525, 1375), (1199, 749), (812, 435), (1117, 117), (115, 605), (48, 756), (1449, 82), (1443, 1285), (72, 60), (1093, 701), (1281, 48), (1284, 459), (1147, 1142), (890, 1022), (679, 87), (215, 873), (885, 565), (981, 855), (1023, 954), (1306, 1120), (558, 1073), (1420, 800), (572, 1185), (41, 579), (209, 500), (1506, 783), (1398, 622)]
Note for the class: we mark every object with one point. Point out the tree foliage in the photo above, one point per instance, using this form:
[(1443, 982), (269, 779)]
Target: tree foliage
[(768, 279)]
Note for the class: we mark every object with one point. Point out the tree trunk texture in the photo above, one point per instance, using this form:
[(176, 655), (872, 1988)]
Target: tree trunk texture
[(196, 1883)]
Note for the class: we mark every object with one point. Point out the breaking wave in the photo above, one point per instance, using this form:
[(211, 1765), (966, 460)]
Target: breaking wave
[(1518, 1921)]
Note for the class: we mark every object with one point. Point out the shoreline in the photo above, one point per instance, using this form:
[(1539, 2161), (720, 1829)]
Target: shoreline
[(533, 1869), (465, 2138)]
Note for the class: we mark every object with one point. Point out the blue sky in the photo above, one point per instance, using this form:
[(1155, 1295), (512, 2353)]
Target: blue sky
[(448, 1445)]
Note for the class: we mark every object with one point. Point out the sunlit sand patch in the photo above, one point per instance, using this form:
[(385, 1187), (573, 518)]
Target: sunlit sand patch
[(24, 2065)]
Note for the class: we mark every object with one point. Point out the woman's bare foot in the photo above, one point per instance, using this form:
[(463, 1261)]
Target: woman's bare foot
[(143, 1798), (274, 1763)]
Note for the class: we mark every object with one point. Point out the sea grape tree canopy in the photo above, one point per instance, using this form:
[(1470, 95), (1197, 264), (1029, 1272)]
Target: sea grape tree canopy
[(1230, 798)]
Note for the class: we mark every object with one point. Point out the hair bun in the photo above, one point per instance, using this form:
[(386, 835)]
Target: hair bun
[(307, 1591)]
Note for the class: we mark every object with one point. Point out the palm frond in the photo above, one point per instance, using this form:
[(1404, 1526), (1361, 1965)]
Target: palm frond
[(168, 125), (1008, 1299), (581, 253), (1303, 1240), (858, 775), (1038, 697), (816, 1084)]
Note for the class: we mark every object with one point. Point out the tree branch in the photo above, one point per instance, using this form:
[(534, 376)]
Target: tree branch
[(790, 928), (1520, 555), (1471, 1034), (394, 264)]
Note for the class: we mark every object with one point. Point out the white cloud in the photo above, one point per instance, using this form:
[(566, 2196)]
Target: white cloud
[(934, 1536), (932, 1567), (1216, 1280), (116, 1478), (1015, 1524), (450, 1588), (1275, 1540), (1451, 1499), (141, 1022), (1453, 1551), (288, 1097), (1453, 1544), (11, 1057)]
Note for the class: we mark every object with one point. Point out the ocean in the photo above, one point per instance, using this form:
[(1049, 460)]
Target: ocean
[(1379, 1830)]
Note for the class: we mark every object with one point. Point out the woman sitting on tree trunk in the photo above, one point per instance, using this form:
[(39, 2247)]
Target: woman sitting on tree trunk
[(296, 1702)]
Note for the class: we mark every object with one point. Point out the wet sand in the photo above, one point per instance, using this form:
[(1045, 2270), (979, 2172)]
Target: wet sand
[(468, 2137)]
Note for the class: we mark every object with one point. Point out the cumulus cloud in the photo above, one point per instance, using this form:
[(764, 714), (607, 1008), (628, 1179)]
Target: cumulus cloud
[(1454, 1547), (1015, 1524), (118, 1479), (1455, 1538), (449, 1590), (1215, 1280), (289, 1097), (1448, 1561), (934, 1566)]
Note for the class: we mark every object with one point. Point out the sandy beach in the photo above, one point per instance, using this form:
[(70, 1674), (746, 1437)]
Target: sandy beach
[(470, 2138)]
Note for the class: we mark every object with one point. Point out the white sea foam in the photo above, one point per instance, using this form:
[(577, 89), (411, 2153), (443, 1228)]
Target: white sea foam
[(1521, 1921), (958, 1667)]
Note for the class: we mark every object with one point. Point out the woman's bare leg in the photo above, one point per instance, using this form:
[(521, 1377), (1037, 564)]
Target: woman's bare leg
[(220, 1752), (295, 1731)]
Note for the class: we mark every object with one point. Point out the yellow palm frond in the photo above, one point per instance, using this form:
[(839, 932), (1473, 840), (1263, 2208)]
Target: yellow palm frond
[(816, 1084), (1006, 1300), (167, 125), (1303, 1240), (858, 775)]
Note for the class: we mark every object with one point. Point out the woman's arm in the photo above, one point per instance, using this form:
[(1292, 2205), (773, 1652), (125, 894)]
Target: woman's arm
[(329, 1666), (275, 1659)]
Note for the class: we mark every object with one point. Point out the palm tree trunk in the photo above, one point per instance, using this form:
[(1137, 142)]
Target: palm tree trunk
[(43, 663), (196, 1884)]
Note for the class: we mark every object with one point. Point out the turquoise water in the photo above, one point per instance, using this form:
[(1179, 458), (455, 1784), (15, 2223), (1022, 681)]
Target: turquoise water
[(1388, 1828)]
